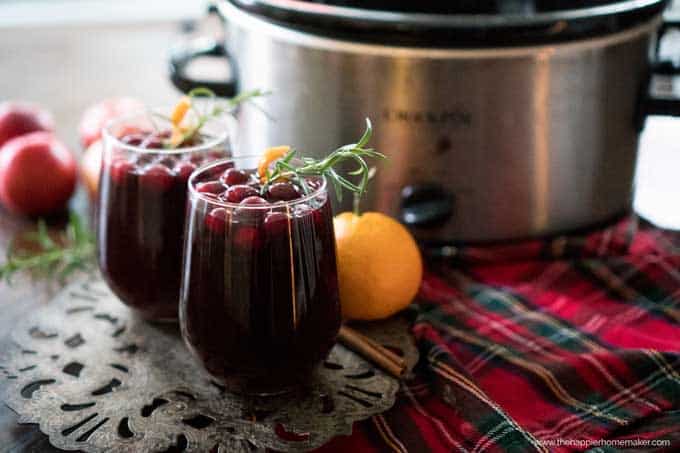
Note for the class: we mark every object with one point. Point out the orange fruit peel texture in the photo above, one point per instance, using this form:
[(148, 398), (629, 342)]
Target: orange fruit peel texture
[(379, 265), (180, 110), (269, 156)]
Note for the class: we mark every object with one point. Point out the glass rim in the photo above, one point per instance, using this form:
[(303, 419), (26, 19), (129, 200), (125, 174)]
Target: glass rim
[(193, 193), (107, 135)]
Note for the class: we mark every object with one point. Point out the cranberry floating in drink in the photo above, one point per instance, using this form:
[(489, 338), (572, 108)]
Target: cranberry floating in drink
[(259, 304), (143, 192)]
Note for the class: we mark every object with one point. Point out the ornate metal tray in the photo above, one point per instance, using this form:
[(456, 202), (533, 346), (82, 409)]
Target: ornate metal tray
[(95, 378)]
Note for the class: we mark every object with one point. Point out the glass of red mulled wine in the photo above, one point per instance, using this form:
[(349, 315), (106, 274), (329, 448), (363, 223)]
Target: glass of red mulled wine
[(140, 210), (259, 304)]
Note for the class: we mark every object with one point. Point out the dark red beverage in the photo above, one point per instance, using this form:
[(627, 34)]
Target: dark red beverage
[(140, 215), (259, 304)]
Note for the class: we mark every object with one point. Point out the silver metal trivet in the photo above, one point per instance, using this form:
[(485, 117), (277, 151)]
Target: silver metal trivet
[(95, 378)]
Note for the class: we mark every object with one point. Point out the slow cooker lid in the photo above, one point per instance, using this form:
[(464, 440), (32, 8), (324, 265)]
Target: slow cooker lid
[(457, 22)]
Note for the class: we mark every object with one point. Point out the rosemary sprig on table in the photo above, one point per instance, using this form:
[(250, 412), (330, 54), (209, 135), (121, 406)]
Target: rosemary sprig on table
[(52, 255), (328, 167)]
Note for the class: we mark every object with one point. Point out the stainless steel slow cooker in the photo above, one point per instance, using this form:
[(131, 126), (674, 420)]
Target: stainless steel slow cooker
[(501, 119)]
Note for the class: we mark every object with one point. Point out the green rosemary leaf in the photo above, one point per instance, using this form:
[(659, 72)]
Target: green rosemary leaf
[(375, 154), (356, 172), (40, 236), (246, 96), (367, 134), (69, 269), (338, 189), (289, 156), (288, 166), (344, 182), (43, 255), (201, 92), (44, 238)]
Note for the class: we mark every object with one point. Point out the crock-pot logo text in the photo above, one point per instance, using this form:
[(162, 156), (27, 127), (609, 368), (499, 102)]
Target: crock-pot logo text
[(450, 117)]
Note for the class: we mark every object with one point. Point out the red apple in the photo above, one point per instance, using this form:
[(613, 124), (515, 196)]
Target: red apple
[(17, 119), (98, 115), (37, 174)]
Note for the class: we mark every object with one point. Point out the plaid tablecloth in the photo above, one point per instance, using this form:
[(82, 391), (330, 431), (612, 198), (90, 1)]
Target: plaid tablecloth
[(564, 345)]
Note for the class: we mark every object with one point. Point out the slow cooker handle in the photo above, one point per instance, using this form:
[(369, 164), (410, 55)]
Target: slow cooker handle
[(659, 101), (181, 57), (425, 205)]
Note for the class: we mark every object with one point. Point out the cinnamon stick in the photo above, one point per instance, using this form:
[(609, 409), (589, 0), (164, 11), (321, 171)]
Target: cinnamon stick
[(369, 349), (391, 355)]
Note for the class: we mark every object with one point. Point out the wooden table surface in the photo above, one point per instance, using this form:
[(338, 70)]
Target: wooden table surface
[(58, 68)]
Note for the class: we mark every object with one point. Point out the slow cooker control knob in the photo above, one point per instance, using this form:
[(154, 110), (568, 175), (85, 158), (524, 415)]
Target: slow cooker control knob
[(425, 205)]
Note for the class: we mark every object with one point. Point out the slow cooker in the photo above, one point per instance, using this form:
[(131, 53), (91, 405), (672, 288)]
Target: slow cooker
[(502, 119)]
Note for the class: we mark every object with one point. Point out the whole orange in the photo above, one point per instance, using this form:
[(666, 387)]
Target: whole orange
[(379, 265)]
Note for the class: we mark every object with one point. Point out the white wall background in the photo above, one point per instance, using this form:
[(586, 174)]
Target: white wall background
[(22, 13)]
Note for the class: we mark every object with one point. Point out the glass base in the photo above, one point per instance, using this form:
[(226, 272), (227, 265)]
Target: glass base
[(261, 387), (251, 388), (153, 320), (162, 320)]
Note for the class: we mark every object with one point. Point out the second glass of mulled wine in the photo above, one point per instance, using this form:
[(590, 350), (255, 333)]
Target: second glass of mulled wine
[(140, 212)]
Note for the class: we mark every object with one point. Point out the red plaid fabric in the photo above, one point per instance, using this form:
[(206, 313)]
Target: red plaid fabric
[(567, 345)]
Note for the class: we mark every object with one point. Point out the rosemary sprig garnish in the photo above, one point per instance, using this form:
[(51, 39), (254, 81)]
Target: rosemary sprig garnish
[(328, 167), (212, 109), (55, 256)]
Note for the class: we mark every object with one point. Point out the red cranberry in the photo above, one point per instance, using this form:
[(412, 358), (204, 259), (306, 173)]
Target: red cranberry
[(247, 237), (133, 139), (144, 159), (153, 144), (212, 187), (157, 177), (276, 223), (283, 191), (183, 170), (201, 176), (217, 154), (120, 169), (232, 176), (236, 194), (167, 161), (253, 200), (155, 141), (217, 171), (196, 158), (216, 220), (250, 216)]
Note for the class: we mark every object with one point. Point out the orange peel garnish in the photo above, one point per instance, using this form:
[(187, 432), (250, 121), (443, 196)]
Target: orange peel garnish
[(177, 136), (180, 110), (269, 156)]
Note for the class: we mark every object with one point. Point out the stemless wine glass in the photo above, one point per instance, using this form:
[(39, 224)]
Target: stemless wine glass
[(259, 303), (140, 211)]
